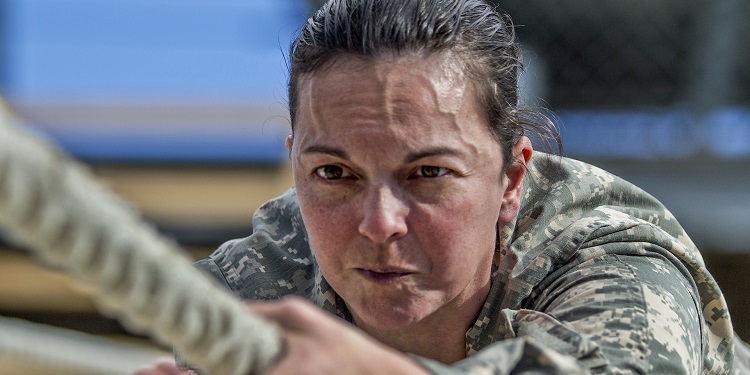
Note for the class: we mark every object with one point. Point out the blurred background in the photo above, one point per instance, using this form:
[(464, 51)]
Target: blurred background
[(179, 106)]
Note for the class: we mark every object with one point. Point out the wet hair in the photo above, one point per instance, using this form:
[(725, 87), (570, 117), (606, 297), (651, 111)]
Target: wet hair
[(482, 38)]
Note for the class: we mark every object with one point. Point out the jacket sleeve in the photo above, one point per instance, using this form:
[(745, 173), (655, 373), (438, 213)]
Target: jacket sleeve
[(611, 314)]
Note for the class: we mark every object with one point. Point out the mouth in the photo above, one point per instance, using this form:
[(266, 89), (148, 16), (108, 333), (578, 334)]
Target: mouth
[(382, 277)]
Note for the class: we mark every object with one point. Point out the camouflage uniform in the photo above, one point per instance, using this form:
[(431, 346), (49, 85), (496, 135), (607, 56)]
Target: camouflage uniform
[(594, 275)]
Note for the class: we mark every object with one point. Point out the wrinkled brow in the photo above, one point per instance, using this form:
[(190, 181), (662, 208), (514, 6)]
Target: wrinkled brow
[(320, 149), (437, 151)]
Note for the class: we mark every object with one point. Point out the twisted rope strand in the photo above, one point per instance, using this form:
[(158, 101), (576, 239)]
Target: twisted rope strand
[(32, 348), (52, 205)]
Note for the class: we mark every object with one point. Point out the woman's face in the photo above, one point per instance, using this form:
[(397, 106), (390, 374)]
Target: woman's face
[(401, 188)]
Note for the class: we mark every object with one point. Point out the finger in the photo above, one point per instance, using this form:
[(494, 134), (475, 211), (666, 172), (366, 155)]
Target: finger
[(298, 359), (163, 366), (172, 369), (156, 371), (291, 313)]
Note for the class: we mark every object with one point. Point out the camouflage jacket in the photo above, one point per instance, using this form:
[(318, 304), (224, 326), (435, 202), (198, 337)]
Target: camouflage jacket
[(595, 275)]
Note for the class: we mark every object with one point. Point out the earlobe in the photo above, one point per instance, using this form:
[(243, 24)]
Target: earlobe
[(514, 176)]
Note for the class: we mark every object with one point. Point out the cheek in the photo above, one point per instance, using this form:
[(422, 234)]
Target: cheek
[(461, 237), (318, 222), (328, 226)]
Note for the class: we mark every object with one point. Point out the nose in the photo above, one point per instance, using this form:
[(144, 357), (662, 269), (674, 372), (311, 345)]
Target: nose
[(384, 217)]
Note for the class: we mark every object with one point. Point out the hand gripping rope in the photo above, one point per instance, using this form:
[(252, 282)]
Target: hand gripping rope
[(52, 205)]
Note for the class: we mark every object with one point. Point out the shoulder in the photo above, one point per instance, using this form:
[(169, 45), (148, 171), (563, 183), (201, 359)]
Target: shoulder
[(575, 214), (641, 311), (274, 261), (569, 206)]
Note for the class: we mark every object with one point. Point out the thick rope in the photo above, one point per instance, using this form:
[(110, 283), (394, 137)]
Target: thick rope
[(31, 348), (52, 205)]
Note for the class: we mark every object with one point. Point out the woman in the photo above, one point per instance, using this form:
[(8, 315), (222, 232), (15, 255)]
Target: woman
[(423, 221)]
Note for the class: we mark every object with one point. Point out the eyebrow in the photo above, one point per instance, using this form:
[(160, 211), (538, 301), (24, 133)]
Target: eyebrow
[(437, 151), (339, 153), (320, 149)]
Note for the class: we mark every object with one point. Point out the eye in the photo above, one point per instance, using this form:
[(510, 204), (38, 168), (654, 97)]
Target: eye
[(332, 172), (430, 171)]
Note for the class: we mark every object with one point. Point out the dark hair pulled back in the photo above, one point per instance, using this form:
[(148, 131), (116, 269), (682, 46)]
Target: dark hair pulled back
[(483, 37)]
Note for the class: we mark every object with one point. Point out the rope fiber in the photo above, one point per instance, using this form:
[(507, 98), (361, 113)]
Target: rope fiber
[(52, 205)]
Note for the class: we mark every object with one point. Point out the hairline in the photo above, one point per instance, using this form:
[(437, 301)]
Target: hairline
[(464, 58)]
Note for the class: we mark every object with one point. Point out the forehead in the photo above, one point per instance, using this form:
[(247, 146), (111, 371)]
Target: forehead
[(440, 74), (394, 106), (437, 83)]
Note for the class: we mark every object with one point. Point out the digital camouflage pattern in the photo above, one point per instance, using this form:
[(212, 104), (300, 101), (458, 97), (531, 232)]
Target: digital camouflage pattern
[(594, 276)]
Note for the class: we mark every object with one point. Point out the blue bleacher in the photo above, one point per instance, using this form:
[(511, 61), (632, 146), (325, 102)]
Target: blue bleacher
[(136, 53), (84, 53)]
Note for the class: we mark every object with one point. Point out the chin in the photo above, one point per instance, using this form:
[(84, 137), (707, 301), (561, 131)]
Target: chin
[(389, 316)]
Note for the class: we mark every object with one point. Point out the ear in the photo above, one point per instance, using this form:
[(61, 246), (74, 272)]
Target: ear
[(288, 142), (514, 176)]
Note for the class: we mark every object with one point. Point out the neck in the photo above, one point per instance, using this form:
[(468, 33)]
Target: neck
[(444, 343), (440, 336)]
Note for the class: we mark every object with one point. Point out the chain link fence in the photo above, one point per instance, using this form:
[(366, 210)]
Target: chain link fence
[(613, 54)]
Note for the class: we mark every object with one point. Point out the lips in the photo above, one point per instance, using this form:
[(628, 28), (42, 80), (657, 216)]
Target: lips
[(383, 276)]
